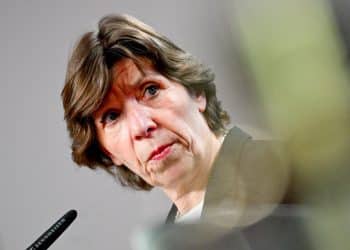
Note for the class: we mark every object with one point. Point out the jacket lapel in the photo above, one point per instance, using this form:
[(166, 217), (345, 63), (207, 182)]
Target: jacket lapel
[(224, 181)]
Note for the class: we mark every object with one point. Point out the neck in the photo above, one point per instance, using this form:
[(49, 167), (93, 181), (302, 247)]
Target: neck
[(188, 195), (189, 200)]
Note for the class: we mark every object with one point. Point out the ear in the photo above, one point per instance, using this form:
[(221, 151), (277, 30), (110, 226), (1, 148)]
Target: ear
[(201, 101)]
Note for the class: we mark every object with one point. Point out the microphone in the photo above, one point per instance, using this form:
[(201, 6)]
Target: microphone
[(47, 238)]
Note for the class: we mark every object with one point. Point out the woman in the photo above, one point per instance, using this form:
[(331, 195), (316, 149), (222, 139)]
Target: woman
[(146, 111)]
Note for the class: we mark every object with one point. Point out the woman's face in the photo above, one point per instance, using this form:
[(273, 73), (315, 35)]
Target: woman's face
[(153, 126)]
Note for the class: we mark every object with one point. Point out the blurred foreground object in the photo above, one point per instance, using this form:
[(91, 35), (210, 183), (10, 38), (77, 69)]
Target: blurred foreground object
[(285, 229), (297, 60)]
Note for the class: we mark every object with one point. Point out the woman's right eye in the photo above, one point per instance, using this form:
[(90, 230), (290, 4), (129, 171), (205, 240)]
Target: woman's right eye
[(109, 117)]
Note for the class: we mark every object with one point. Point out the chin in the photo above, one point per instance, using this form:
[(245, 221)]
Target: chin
[(173, 170), (173, 176)]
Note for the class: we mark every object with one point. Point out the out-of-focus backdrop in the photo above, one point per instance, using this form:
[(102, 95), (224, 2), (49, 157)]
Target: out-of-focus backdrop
[(38, 180), (281, 66)]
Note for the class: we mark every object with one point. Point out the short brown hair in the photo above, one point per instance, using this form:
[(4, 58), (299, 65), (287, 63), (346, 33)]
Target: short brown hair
[(88, 81)]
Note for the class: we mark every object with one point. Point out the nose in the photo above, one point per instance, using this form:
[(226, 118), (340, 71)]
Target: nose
[(139, 121)]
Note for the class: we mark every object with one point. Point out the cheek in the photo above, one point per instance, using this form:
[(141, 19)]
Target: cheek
[(120, 154), (116, 145), (179, 105), (186, 115)]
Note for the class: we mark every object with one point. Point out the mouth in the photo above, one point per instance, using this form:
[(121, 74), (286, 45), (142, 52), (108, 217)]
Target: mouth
[(160, 152)]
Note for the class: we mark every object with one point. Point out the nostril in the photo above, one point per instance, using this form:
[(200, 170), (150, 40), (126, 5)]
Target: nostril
[(149, 130), (138, 137)]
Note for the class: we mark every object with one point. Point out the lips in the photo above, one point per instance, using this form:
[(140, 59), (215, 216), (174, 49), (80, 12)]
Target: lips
[(160, 152)]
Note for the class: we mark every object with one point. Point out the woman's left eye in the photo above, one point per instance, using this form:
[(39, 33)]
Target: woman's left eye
[(110, 117), (151, 90)]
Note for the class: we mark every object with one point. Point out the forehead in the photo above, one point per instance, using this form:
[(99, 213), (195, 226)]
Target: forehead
[(127, 72)]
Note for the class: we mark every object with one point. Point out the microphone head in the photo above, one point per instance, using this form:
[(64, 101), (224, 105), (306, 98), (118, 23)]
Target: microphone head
[(48, 237)]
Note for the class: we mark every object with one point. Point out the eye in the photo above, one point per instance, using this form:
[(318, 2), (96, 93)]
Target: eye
[(151, 90), (109, 117)]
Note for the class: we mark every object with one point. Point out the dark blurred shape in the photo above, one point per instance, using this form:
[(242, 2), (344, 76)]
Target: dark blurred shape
[(284, 229), (342, 17)]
